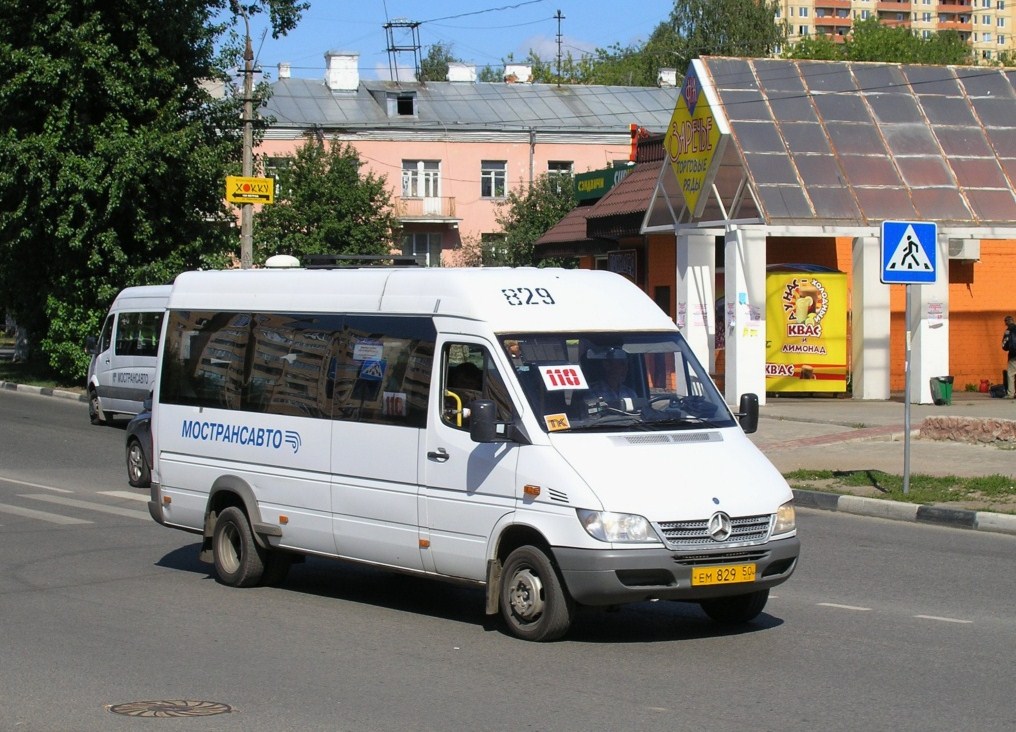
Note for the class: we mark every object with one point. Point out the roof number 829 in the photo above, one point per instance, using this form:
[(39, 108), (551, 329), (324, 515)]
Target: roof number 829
[(527, 296)]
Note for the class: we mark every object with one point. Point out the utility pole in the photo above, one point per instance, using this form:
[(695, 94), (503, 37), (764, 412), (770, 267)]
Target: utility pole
[(559, 19), (247, 209)]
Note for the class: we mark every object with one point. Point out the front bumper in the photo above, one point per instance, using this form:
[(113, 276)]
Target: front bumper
[(611, 577)]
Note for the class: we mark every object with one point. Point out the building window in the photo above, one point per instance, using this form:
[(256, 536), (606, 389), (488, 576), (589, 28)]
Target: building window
[(560, 167), (803, 12), (421, 178), (424, 245), (561, 170), (1001, 23), (493, 178), (1001, 40), (405, 105)]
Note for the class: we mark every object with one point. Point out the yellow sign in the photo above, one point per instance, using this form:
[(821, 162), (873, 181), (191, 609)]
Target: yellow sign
[(692, 142), (250, 190), (806, 332)]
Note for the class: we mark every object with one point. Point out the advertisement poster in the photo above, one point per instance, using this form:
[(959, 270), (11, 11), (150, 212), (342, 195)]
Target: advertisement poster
[(806, 332)]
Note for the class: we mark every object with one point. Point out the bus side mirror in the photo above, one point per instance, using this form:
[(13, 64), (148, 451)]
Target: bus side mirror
[(483, 421), (747, 414), (91, 345)]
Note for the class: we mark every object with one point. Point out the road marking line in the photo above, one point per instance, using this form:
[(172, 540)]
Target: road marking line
[(844, 607), (944, 620), (53, 518), (35, 485), (87, 505), (125, 494)]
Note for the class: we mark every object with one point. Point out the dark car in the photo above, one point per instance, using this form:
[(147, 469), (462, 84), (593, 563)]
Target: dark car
[(139, 448)]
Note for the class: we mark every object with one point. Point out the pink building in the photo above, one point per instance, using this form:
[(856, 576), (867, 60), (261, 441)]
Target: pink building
[(452, 150)]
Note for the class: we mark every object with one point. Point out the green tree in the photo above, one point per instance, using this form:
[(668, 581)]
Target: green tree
[(527, 214), (324, 206), (704, 27), (434, 66), (870, 40), (114, 155), (819, 47)]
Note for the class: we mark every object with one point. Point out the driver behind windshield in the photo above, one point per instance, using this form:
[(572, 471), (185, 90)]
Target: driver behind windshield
[(611, 387)]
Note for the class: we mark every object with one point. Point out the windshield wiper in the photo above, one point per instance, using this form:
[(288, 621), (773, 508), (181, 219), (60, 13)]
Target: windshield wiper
[(688, 420)]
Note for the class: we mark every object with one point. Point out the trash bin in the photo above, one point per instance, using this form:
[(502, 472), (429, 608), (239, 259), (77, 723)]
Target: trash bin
[(941, 389)]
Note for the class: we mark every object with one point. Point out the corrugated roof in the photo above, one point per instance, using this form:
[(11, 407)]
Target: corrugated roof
[(304, 103), (849, 143)]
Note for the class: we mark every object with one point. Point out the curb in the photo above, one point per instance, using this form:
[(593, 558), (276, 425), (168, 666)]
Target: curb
[(955, 518), (43, 391)]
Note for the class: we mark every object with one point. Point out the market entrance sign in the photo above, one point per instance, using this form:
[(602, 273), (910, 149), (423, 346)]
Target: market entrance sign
[(694, 142), (250, 190)]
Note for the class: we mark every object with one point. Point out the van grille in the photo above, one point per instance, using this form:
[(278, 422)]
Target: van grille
[(744, 530)]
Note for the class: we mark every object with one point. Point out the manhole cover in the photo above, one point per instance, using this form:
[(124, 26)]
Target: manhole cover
[(172, 708)]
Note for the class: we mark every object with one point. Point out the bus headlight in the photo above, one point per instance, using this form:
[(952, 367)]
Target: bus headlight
[(618, 527), (786, 519)]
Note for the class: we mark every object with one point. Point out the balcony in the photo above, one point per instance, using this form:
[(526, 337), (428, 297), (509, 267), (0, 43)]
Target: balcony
[(888, 6), (959, 23), (953, 7), (829, 23), (832, 5), (436, 210)]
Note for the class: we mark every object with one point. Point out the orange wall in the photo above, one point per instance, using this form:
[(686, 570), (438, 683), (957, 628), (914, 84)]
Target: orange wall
[(980, 295)]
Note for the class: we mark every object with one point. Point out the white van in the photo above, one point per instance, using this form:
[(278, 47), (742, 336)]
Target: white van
[(453, 423), (121, 374)]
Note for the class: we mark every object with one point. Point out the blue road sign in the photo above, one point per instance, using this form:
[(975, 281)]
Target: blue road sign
[(909, 252)]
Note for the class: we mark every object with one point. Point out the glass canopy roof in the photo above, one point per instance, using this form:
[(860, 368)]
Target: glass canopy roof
[(821, 143)]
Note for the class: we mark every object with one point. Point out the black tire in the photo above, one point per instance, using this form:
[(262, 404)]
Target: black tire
[(138, 473), (534, 603), (239, 561), (95, 413), (736, 609)]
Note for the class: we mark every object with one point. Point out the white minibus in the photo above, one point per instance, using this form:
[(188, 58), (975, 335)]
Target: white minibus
[(121, 374), (544, 434)]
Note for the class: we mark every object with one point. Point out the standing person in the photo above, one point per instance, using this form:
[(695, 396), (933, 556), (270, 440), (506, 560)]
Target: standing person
[(1009, 344)]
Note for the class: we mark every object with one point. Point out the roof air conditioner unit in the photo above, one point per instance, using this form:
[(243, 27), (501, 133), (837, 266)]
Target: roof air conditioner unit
[(964, 249)]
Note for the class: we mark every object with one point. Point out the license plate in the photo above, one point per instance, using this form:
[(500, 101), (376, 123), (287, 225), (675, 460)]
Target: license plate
[(723, 574)]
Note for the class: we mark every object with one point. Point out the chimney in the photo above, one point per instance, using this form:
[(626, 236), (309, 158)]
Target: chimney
[(341, 72), (667, 78), (458, 71), (518, 74), (284, 70)]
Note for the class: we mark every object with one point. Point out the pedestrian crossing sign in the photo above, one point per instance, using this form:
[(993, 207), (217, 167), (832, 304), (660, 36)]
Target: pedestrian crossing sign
[(909, 252)]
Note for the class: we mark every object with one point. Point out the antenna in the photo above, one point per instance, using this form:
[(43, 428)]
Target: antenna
[(410, 33), (559, 18)]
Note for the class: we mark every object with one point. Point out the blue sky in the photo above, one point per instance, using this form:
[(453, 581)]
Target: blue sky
[(482, 32)]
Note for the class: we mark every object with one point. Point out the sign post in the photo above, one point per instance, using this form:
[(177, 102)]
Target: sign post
[(909, 253)]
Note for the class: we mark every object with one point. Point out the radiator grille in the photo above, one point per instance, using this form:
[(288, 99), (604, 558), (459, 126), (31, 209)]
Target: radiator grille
[(744, 530)]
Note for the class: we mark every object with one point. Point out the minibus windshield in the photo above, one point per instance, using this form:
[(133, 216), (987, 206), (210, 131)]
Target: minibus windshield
[(614, 381)]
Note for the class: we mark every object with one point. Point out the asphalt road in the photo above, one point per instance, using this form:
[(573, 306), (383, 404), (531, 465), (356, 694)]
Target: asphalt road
[(886, 625)]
